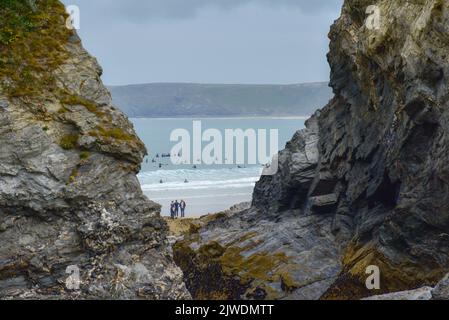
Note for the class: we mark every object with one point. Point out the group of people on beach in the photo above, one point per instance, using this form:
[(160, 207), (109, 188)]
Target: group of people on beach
[(175, 207)]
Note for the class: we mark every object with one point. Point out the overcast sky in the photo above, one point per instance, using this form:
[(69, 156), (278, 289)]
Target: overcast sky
[(209, 41)]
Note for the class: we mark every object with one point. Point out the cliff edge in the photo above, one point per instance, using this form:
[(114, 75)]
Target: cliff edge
[(73, 219)]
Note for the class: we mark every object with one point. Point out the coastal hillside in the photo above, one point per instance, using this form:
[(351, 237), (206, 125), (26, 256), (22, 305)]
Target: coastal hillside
[(209, 100), (365, 185), (74, 223)]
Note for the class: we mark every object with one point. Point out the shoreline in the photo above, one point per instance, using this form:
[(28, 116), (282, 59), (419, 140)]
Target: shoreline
[(224, 118)]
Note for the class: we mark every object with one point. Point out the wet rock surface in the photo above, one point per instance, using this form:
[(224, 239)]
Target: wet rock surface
[(439, 292), (246, 256), (73, 220), (418, 294), (365, 184)]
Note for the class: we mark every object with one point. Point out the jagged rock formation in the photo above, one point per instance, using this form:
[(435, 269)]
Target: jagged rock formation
[(365, 184), (69, 197)]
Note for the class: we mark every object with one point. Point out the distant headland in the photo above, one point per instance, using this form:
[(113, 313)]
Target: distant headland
[(161, 100)]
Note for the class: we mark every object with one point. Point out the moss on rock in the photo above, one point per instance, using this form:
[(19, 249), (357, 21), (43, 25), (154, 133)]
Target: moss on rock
[(32, 46), (69, 142), (394, 277), (219, 271)]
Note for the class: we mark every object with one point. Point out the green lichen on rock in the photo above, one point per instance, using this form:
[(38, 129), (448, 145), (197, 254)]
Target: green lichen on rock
[(219, 271), (73, 175), (395, 277), (36, 75), (68, 99), (106, 134), (84, 155), (111, 133), (32, 39), (69, 142), (203, 273)]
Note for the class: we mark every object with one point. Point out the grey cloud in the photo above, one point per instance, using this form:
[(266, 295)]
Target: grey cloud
[(137, 10), (238, 41)]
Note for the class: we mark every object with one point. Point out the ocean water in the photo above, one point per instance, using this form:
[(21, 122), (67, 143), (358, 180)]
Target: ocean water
[(205, 188)]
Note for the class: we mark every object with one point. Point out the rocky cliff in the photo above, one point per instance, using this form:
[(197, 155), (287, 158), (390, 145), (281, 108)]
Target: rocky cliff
[(366, 183), (70, 203)]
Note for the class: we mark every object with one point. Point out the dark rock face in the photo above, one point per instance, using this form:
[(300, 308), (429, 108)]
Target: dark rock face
[(297, 165), (71, 207), (372, 166), (383, 143), (245, 255)]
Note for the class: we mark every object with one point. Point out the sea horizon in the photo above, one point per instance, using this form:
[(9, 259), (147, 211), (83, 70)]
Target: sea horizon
[(206, 188), (224, 117)]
